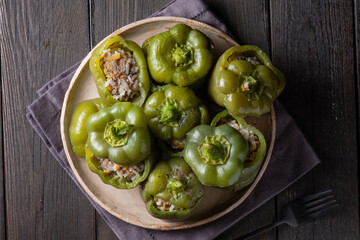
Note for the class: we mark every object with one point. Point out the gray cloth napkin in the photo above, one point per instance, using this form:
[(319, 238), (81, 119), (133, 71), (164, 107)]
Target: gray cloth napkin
[(292, 156)]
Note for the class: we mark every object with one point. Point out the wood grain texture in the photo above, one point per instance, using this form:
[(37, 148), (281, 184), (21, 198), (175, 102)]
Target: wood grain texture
[(113, 14), (312, 42), (103, 231), (248, 21), (357, 69), (2, 178), (42, 202)]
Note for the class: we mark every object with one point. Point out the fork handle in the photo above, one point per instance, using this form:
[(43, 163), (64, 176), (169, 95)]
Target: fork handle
[(260, 230)]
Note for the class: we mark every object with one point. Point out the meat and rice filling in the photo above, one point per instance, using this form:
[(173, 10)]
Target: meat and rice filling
[(163, 205), (129, 173), (177, 144), (249, 136), (253, 60), (121, 74)]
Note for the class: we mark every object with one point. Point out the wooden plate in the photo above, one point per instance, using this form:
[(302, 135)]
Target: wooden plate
[(127, 204)]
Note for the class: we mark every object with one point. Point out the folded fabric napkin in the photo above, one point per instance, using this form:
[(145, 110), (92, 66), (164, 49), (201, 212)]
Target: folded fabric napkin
[(292, 156)]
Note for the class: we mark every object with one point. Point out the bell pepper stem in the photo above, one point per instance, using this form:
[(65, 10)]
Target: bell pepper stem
[(182, 55), (116, 132), (214, 150), (170, 113)]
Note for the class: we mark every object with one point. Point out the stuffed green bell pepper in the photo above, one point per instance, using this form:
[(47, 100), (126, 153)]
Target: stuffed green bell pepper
[(77, 130), (216, 154), (256, 142), (172, 111), (120, 71), (172, 190), (119, 176), (119, 133), (245, 81), (174, 147), (181, 55)]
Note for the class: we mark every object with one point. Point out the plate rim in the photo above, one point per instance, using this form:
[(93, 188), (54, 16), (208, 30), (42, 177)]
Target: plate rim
[(103, 205)]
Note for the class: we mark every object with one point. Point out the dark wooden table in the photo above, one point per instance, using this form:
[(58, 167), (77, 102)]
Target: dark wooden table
[(315, 43)]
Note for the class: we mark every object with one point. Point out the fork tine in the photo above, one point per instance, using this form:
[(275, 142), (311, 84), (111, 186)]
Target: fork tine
[(321, 211), (315, 209), (317, 202), (314, 196)]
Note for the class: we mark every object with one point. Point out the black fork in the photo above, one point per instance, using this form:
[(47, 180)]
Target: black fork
[(301, 211)]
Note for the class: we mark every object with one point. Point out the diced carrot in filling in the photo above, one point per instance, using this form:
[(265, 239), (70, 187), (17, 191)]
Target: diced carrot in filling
[(121, 74), (130, 173), (245, 87)]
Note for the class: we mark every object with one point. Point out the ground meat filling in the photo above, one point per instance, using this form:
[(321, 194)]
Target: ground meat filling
[(177, 144), (253, 60), (249, 136), (164, 205), (121, 74), (129, 173)]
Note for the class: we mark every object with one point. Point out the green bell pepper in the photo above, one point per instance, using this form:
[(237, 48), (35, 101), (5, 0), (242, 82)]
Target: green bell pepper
[(204, 113), (173, 147), (173, 111), (256, 142), (156, 87), (245, 81), (172, 190), (146, 44), (101, 75), (181, 55), (77, 130), (216, 154), (119, 133)]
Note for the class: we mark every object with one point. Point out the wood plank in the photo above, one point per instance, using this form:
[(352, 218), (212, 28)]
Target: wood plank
[(103, 231), (111, 15), (107, 17), (39, 39), (248, 21), (249, 27), (357, 69), (2, 180), (312, 42)]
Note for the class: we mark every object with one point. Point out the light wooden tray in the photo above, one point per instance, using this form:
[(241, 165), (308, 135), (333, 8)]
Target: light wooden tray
[(127, 204)]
